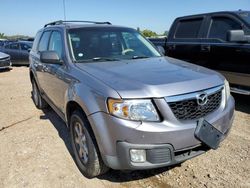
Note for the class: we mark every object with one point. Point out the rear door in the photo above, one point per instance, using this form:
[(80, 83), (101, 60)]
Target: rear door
[(13, 49), (230, 58), (184, 40), (24, 52)]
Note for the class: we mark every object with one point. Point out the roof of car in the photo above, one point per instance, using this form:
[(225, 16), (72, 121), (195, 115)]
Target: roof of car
[(219, 12)]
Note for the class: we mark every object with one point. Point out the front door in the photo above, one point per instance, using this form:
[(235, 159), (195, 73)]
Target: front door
[(54, 75), (229, 58)]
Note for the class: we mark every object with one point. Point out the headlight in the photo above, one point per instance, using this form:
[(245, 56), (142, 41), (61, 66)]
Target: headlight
[(138, 110), (227, 89)]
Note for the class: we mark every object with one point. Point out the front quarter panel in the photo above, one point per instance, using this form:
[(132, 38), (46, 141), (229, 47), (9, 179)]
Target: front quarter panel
[(90, 93)]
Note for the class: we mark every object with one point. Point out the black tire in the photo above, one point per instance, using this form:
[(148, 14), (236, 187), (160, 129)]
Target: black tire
[(94, 164), (37, 98)]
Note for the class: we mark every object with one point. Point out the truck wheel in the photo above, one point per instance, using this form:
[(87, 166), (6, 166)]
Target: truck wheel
[(85, 148), (37, 98)]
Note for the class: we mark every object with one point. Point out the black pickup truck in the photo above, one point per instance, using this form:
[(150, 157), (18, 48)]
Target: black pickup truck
[(219, 41)]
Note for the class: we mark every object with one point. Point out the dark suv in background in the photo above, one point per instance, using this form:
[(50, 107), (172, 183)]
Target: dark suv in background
[(219, 41)]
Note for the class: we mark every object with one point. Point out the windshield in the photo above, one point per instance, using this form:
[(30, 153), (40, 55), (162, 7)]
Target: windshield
[(109, 44), (245, 16)]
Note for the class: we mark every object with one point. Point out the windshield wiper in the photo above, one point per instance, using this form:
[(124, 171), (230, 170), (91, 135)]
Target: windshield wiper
[(104, 59), (140, 57), (97, 59)]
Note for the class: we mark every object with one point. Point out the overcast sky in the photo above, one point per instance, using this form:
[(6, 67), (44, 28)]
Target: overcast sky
[(27, 16)]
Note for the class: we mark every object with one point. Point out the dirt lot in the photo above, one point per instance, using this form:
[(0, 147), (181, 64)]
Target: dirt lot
[(35, 149)]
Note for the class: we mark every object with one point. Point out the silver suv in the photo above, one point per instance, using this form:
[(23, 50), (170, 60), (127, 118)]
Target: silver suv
[(127, 106)]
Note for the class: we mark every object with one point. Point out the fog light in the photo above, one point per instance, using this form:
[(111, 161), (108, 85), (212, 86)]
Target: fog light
[(138, 155)]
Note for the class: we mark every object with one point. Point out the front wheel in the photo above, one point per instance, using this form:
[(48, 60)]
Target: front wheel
[(85, 148)]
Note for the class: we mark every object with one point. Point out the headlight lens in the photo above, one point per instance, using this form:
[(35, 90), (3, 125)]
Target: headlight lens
[(227, 89), (138, 110)]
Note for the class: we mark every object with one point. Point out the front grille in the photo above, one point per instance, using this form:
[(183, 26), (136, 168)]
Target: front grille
[(189, 109)]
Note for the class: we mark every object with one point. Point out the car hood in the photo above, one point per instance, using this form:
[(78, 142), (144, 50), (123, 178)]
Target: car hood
[(3, 55), (153, 77)]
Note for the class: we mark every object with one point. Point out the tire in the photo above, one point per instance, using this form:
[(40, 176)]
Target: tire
[(87, 155), (37, 98)]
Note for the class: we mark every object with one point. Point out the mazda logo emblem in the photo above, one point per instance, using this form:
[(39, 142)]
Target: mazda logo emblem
[(202, 99)]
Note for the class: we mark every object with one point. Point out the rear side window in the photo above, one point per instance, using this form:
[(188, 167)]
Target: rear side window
[(14, 46), (43, 44), (220, 26), (7, 46), (188, 28), (55, 43)]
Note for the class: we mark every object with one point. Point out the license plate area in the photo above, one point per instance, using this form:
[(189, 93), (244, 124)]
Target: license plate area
[(208, 134)]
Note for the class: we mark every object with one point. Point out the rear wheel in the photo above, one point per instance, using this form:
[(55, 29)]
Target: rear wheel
[(37, 98), (85, 148)]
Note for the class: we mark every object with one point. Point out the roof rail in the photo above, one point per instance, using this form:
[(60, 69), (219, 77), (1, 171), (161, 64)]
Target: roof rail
[(59, 22)]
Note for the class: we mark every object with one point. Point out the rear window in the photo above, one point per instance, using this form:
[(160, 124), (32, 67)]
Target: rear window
[(188, 28)]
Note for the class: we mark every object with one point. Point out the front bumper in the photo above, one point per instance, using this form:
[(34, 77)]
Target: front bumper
[(5, 64), (172, 139)]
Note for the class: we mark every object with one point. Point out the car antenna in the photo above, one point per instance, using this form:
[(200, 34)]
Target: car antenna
[(64, 10)]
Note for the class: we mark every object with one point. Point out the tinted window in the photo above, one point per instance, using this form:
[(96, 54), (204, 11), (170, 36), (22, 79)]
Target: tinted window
[(14, 46), (245, 16), (25, 47), (7, 46), (56, 43), (43, 45), (220, 26), (188, 28)]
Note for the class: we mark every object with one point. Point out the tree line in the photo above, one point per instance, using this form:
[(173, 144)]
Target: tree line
[(150, 33)]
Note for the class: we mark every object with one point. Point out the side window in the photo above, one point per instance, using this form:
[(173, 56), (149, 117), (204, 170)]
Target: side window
[(14, 46), (220, 26), (7, 46), (55, 43), (188, 28), (25, 47), (43, 44), (35, 43)]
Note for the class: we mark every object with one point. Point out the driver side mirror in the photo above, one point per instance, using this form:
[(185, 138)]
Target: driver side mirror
[(50, 57), (236, 36), (161, 50)]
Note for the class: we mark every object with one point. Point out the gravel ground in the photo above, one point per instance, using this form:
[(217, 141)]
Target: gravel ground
[(35, 149)]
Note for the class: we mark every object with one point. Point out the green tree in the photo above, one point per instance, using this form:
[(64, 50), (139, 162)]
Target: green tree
[(2, 35), (149, 33), (166, 33)]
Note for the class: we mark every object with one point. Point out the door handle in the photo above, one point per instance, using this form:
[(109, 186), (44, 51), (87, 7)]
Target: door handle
[(171, 47), (205, 48)]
